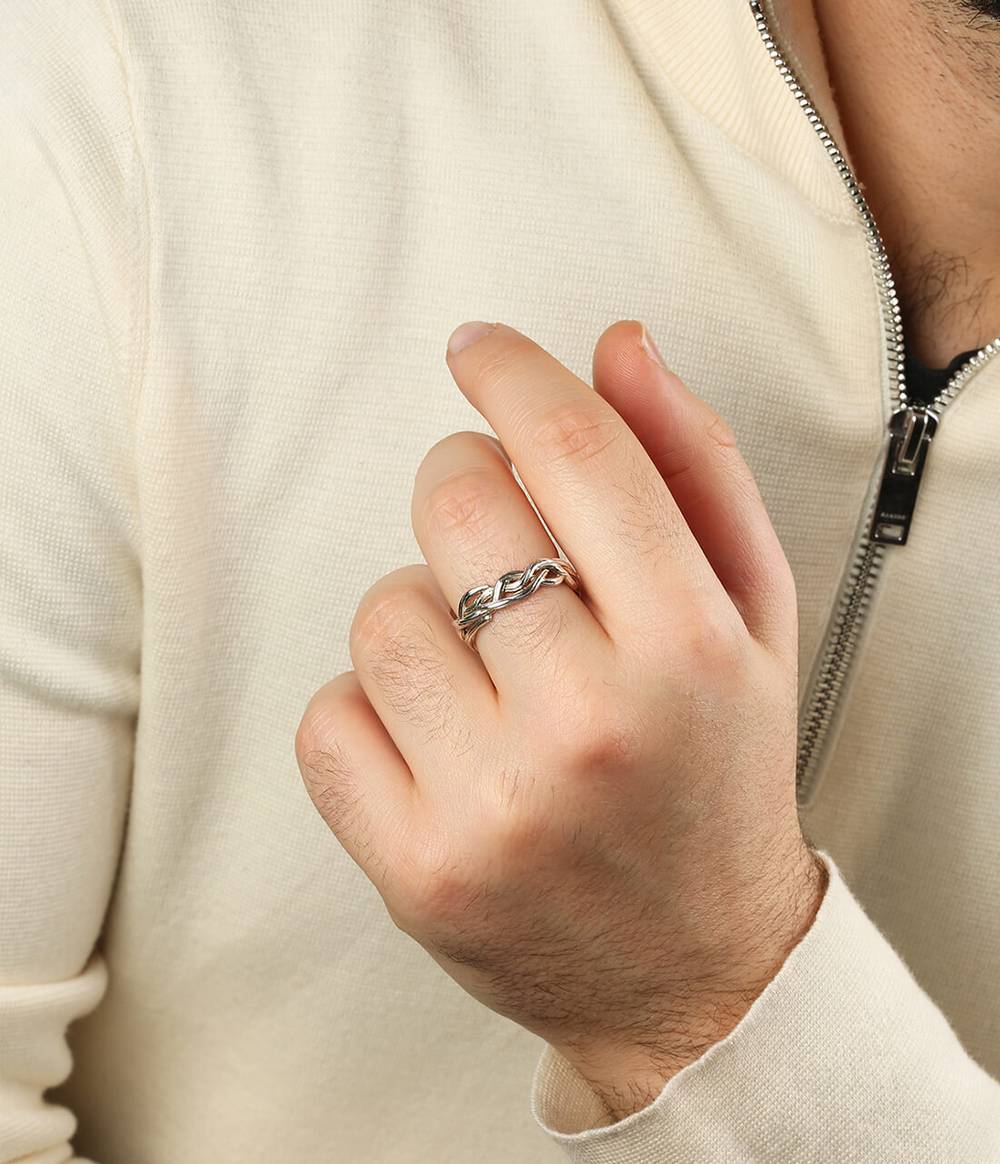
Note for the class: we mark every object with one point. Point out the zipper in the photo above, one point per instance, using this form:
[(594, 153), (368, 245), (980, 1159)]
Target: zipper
[(911, 430)]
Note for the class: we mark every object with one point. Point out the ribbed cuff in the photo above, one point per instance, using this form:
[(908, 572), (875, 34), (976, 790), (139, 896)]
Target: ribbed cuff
[(842, 1057)]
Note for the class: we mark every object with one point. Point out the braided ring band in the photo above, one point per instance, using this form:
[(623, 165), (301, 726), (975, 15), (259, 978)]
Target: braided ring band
[(476, 606)]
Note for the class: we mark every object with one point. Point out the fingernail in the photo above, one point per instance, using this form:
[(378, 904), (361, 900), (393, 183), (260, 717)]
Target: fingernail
[(468, 333), (648, 345)]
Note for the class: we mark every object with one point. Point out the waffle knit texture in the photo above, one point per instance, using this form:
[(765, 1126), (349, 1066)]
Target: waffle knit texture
[(234, 238)]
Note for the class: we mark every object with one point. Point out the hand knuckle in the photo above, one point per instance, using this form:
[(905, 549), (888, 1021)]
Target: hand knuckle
[(576, 432), (463, 504), (713, 643), (444, 893), (319, 719), (380, 615), (719, 431), (605, 748), (599, 732)]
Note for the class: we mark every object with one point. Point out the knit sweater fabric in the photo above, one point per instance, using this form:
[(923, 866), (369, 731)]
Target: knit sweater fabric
[(234, 238)]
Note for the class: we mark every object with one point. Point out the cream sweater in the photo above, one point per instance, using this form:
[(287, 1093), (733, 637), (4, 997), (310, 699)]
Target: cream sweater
[(234, 237)]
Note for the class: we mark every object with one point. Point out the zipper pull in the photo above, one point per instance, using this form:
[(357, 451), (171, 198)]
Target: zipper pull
[(911, 430)]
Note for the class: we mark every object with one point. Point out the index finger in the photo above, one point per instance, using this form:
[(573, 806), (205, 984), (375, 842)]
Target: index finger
[(590, 477)]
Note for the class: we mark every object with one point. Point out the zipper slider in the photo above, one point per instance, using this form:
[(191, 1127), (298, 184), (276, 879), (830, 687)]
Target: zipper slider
[(911, 431)]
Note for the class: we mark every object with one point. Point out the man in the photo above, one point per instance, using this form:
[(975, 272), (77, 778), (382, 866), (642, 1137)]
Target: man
[(235, 240)]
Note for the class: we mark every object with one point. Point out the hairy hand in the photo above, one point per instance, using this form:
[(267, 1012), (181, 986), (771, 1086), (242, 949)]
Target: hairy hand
[(590, 823)]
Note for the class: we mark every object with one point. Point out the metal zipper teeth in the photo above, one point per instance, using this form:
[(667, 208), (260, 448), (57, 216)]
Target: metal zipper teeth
[(855, 598), (958, 381)]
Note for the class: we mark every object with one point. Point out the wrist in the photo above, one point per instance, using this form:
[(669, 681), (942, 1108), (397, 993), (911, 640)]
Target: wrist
[(628, 1071)]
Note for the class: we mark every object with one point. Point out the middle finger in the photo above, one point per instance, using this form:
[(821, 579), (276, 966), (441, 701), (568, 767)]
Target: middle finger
[(592, 480)]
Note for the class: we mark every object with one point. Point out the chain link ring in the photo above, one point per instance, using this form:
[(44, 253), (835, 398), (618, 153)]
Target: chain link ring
[(477, 606)]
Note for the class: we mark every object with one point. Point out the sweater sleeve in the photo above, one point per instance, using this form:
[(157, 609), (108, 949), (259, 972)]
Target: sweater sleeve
[(71, 329), (842, 1057)]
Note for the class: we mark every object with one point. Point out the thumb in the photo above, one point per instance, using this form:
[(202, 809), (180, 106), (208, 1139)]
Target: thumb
[(695, 451)]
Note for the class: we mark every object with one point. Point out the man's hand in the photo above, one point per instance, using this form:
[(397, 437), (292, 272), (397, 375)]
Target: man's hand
[(590, 824)]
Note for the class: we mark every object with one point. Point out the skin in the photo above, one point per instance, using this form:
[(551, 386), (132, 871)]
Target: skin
[(918, 93), (590, 822)]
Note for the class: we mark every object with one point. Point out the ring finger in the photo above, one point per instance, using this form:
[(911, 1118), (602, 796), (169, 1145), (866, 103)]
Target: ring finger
[(473, 523)]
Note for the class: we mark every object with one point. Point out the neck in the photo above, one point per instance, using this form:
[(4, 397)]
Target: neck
[(917, 87)]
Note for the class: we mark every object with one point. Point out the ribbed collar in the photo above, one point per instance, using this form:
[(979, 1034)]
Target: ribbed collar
[(712, 51)]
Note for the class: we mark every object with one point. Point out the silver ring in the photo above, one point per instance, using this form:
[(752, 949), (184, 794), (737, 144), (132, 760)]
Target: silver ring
[(476, 607)]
